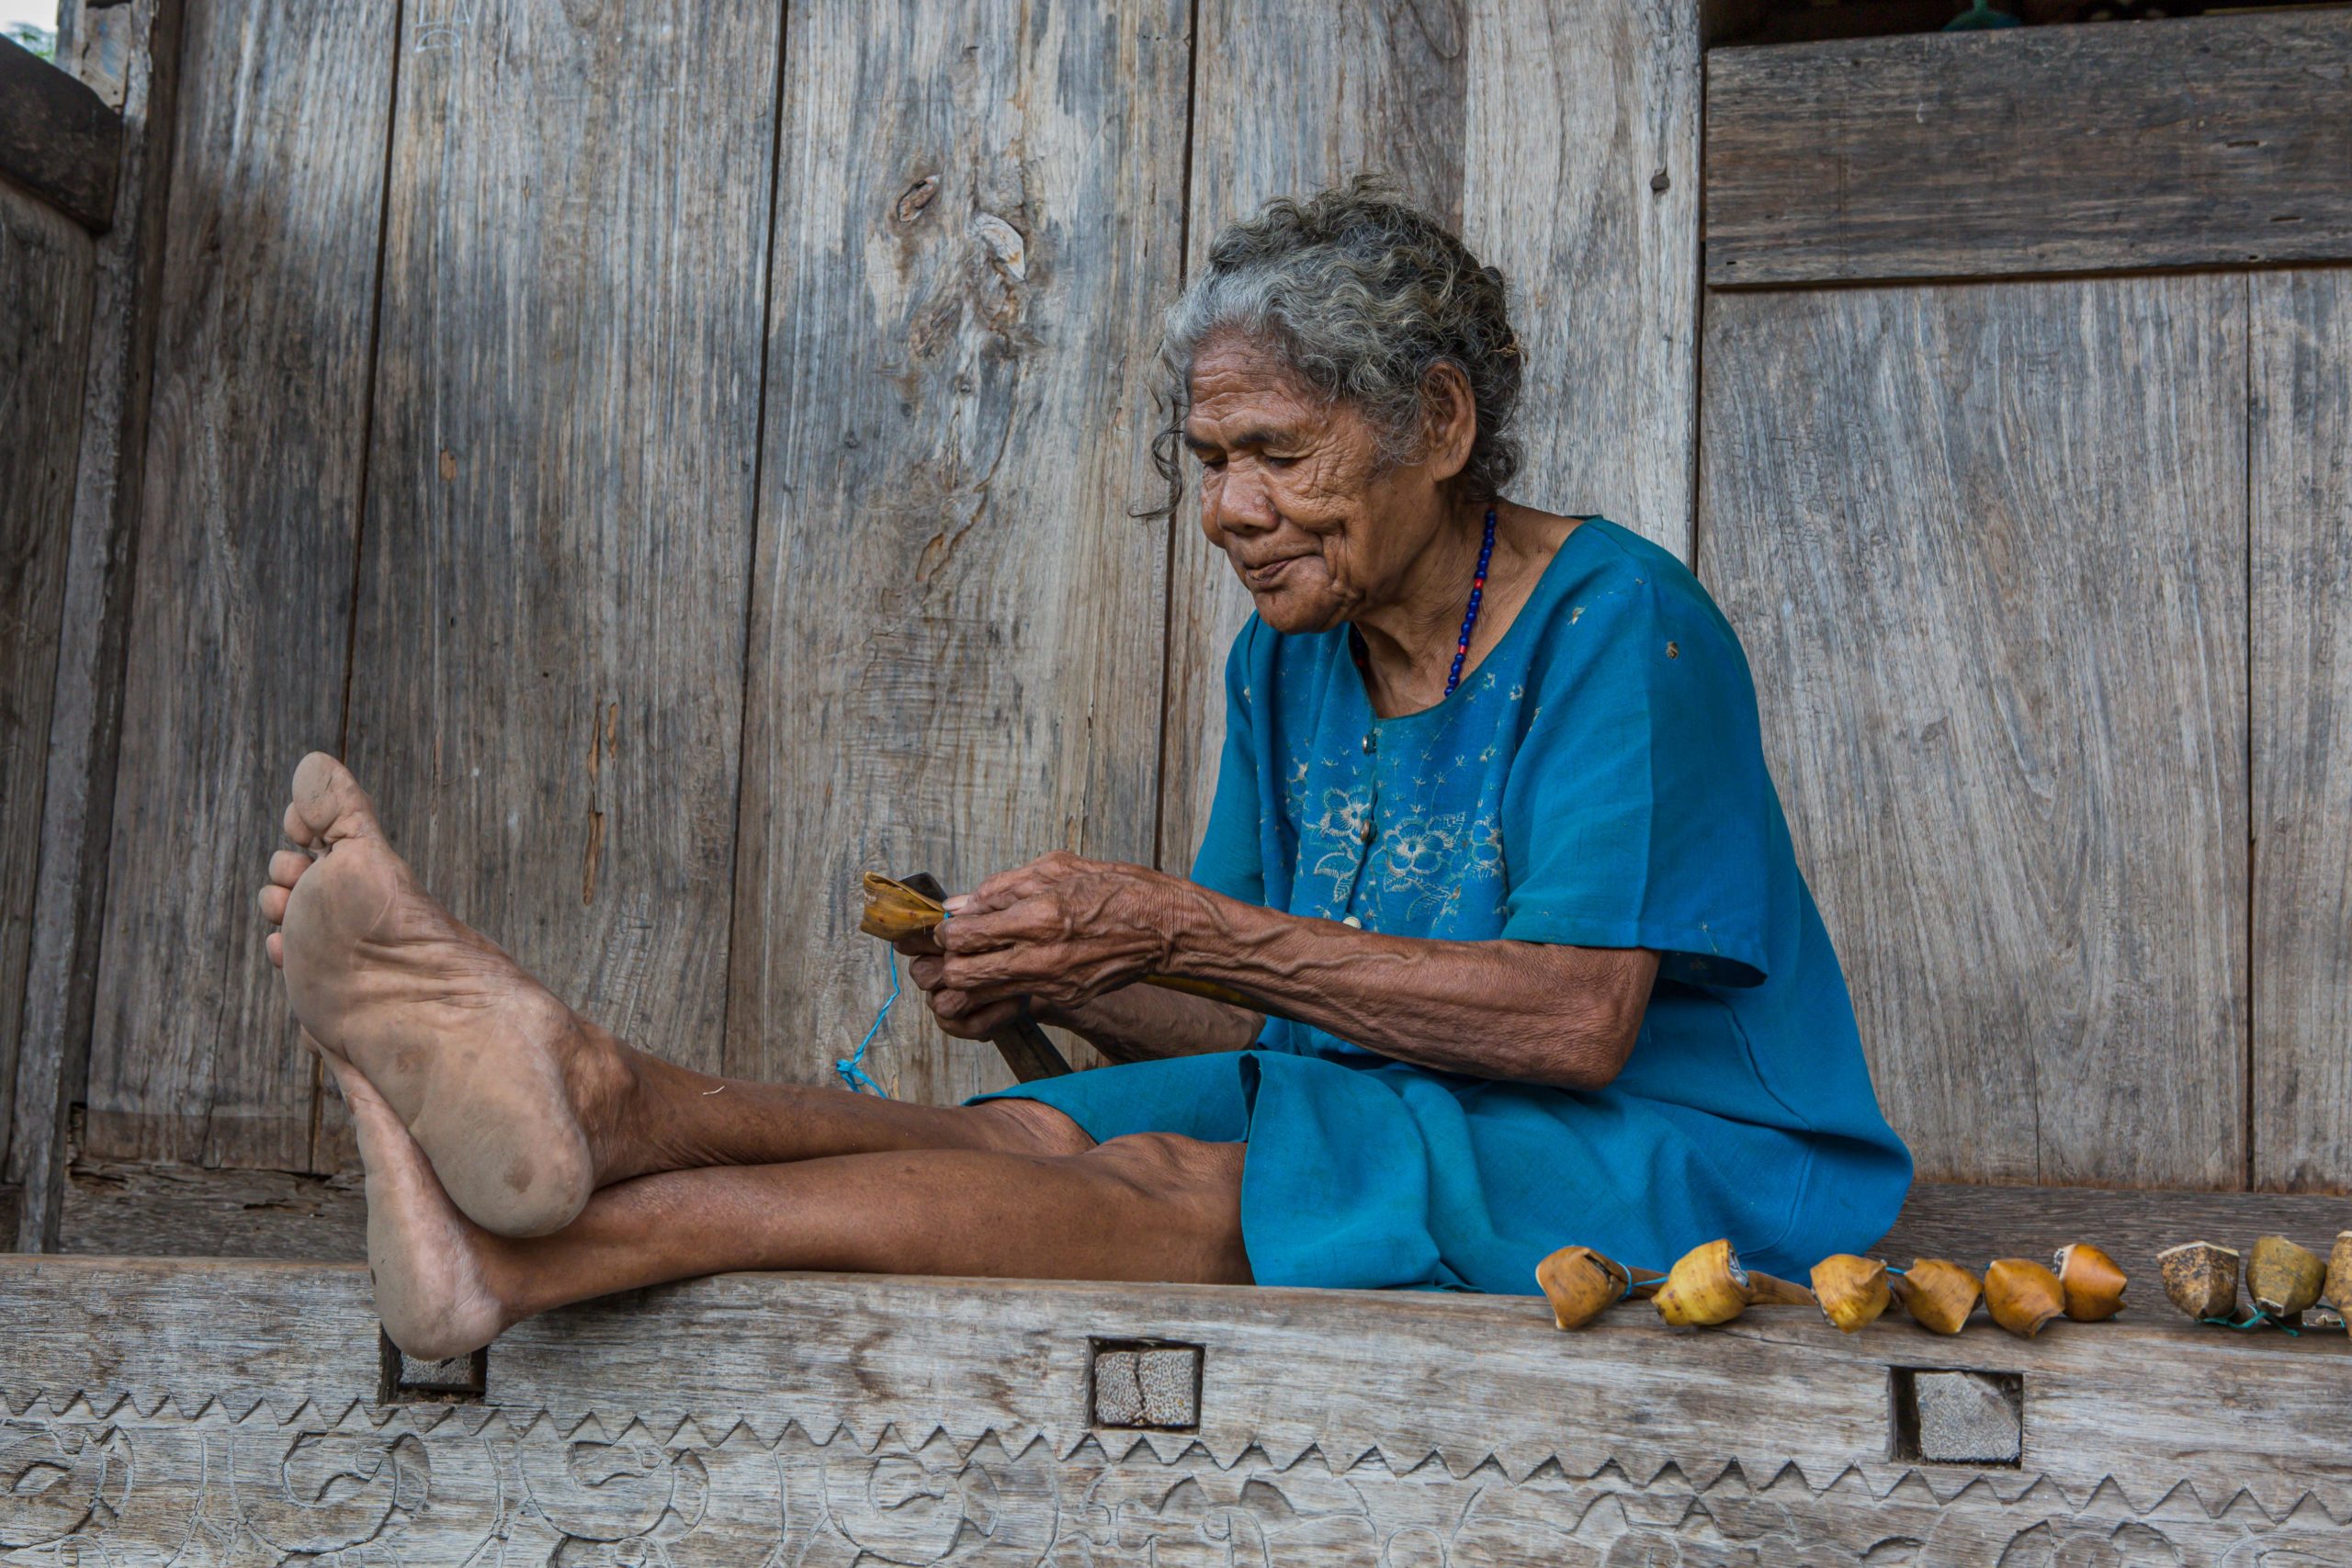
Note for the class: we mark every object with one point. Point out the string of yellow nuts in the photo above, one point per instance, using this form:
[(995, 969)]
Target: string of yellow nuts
[(1708, 1285)]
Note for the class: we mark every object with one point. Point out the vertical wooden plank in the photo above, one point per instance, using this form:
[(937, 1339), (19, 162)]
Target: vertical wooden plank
[(130, 53), (2301, 495), (241, 611), (1582, 182), (547, 683), (956, 632), (1563, 140), (1388, 83), (1986, 547), (45, 286)]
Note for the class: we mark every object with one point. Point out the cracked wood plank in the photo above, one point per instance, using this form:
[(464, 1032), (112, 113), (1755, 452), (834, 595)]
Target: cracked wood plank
[(547, 679), (241, 609), (1986, 547), (957, 634), (1563, 140)]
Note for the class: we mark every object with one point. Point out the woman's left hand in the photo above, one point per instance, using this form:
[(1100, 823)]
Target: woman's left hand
[(1060, 930)]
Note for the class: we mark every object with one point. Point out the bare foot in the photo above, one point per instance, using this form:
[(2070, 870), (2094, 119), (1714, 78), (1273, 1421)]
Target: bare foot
[(433, 1288), (485, 1068)]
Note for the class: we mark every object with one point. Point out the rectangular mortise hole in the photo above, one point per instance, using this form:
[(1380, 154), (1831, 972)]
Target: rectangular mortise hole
[(402, 1378), (1150, 1385), (1956, 1415)]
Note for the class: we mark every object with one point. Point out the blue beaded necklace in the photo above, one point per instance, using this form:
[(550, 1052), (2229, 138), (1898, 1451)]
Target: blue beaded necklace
[(1470, 617)]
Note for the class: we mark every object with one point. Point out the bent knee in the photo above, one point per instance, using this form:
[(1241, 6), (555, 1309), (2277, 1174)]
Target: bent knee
[(1031, 1127), (1167, 1163)]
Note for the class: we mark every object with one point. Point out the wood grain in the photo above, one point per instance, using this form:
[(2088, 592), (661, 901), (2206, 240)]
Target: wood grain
[(1973, 1226), (1564, 141), (140, 61), (950, 1404), (241, 610), (2213, 141), (2301, 488), (45, 288), (58, 139), (956, 630), (181, 1211), (1987, 548), (547, 671)]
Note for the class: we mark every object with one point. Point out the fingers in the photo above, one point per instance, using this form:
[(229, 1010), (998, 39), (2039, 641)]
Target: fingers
[(286, 866), (276, 947), (1009, 888), (917, 944), (273, 904)]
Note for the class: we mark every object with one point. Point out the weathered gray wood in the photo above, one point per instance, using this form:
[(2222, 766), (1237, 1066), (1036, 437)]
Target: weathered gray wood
[(2208, 143), (58, 139), (941, 1404), (77, 800), (956, 640), (1973, 1226), (1564, 140), (45, 288), (1987, 548), (2301, 495), (184, 1210), (241, 611), (546, 681)]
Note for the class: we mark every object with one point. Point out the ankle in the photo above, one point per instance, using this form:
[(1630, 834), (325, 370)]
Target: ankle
[(602, 1073)]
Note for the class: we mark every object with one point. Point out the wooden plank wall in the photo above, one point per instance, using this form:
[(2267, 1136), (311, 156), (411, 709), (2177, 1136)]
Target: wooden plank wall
[(701, 524), (2045, 579), (684, 457), (956, 628), (547, 661), (241, 610), (1986, 547)]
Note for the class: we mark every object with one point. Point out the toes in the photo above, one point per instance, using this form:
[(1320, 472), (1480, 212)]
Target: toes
[(273, 904), (277, 946), (286, 866), (328, 804)]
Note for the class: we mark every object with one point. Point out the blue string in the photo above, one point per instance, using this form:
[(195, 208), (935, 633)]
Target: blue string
[(2260, 1318), (853, 1066)]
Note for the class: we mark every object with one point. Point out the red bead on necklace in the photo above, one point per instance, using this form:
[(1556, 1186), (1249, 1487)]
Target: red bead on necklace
[(1470, 617)]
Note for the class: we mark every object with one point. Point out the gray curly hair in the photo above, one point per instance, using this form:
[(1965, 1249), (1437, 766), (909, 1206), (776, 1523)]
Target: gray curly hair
[(1364, 296)]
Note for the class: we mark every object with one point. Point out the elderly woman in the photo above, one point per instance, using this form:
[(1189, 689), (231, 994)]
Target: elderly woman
[(1493, 841)]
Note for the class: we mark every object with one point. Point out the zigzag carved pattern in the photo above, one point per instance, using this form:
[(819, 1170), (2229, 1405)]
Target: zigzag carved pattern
[(107, 1480)]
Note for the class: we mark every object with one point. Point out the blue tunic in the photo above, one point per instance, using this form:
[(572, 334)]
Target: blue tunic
[(1598, 780)]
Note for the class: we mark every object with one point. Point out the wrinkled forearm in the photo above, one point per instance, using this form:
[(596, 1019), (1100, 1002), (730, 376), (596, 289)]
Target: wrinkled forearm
[(1139, 1022), (1533, 1011)]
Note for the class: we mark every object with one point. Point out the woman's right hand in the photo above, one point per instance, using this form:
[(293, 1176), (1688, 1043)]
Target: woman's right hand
[(957, 1013)]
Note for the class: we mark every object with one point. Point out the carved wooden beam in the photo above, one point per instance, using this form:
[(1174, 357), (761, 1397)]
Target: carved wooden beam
[(809, 1418)]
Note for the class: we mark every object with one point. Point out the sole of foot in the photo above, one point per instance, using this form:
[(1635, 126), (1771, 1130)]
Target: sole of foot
[(432, 1292), (474, 1057)]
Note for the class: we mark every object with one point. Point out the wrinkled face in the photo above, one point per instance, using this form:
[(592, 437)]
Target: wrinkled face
[(1296, 491)]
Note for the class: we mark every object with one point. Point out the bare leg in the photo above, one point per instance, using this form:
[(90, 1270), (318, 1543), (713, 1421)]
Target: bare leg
[(1143, 1208), (523, 1107)]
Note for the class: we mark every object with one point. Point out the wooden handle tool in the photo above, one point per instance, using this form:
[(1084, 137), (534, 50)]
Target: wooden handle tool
[(902, 905)]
